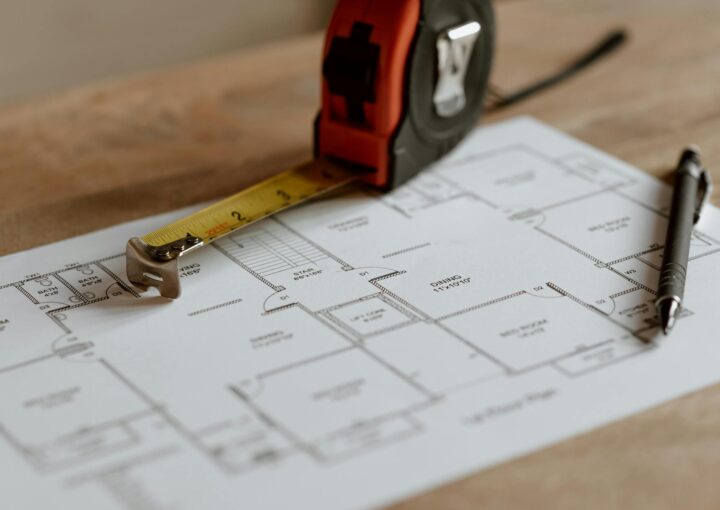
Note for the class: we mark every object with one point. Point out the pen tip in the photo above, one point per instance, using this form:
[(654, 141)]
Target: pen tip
[(667, 310)]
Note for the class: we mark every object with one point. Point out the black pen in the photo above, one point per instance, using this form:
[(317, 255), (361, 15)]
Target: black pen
[(691, 191)]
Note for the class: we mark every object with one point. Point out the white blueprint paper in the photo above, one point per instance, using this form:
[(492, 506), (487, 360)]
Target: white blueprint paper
[(356, 350)]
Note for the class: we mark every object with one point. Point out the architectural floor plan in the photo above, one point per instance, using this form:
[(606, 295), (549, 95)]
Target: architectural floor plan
[(358, 349)]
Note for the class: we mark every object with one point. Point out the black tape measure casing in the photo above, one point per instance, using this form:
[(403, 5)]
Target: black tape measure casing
[(423, 136)]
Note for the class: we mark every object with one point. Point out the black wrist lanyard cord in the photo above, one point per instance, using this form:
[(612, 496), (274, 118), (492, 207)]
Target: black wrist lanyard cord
[(498, 99)]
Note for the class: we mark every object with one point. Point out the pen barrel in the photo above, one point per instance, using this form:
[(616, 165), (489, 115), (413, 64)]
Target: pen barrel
[(672, 280), (679, 234)]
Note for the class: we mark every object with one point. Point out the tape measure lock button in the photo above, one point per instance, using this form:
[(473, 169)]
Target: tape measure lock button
[(350, 70)]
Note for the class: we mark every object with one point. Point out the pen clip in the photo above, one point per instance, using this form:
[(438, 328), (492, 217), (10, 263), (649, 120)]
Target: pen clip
[(704, 191)]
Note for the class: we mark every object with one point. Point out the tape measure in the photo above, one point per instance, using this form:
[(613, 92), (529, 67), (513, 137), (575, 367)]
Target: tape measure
[(403, 82)]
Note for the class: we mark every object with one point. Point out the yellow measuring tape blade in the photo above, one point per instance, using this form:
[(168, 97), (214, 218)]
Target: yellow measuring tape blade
[(256, 202)]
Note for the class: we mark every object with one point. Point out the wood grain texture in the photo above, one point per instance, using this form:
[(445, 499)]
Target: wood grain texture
[(121, 150)]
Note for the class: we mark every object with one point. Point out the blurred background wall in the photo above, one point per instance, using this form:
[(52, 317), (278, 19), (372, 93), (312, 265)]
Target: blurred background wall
[(48, 45)]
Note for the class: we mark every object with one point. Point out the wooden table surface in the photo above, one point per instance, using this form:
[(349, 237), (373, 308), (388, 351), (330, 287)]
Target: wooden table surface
[(124, 149)]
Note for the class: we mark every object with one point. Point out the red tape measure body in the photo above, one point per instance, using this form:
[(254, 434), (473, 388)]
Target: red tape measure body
[(368, 42), (379, 73)]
